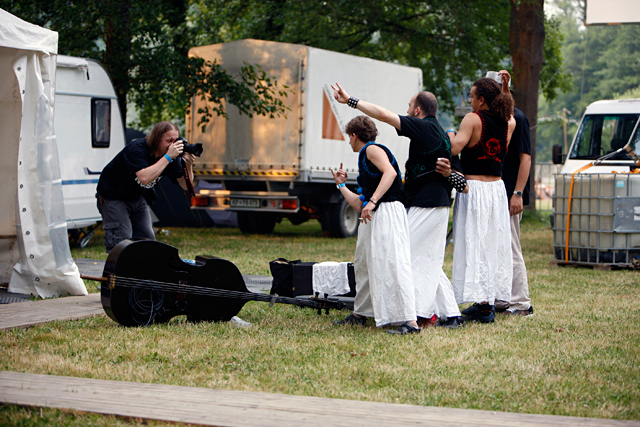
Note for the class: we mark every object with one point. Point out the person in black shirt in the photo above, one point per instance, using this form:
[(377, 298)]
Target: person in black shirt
[(428, 200), (515, 174), (126, 185)]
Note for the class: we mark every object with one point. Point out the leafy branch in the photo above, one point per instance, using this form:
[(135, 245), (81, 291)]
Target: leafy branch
[(251, 90)]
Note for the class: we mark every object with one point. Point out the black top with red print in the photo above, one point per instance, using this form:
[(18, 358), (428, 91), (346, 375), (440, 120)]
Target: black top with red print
[(487, 156)]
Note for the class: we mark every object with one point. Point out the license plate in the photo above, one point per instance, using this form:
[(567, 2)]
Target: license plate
[(244, 203)]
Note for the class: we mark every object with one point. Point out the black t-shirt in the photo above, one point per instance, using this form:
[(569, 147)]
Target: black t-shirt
[(520, 143), (425, 187), (118, 180)]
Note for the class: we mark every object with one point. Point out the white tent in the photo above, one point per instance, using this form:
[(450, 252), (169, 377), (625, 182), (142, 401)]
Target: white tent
[(34, 248)]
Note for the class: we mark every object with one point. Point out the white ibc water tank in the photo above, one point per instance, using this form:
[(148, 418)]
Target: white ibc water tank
[(604, 219)]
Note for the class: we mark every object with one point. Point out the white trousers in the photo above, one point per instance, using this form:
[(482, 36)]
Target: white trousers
[(384, 284), (434, 293), (520, 285), (482, 260)]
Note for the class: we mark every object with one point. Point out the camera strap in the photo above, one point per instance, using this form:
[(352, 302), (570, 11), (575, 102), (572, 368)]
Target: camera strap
[(187, 179)]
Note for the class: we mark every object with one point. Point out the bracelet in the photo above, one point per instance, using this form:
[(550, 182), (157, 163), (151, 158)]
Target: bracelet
[(374, 202), (168, 157), (353, 102), (457, 181), (451, 130), (339, 186)]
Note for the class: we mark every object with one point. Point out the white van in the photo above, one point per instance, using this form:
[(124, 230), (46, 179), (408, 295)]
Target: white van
[(596, 202), (89, 133), (605, 127)]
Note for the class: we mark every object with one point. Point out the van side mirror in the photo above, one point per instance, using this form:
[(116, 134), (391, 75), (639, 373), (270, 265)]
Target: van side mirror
[(556, 154)]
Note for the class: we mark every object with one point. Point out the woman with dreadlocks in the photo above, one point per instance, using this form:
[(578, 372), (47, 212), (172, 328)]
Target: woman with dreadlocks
[(482, 262)]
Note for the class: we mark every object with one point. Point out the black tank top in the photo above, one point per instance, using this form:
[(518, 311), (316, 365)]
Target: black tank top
[(487, 156)]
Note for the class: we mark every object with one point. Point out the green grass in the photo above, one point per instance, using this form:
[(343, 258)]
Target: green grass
[(577, 356)]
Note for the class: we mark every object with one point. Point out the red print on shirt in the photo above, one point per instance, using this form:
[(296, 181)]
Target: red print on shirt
[(491, 149)]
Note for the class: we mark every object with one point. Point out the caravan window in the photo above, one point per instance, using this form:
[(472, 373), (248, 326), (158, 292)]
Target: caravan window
[(100, 122), (602, 134)]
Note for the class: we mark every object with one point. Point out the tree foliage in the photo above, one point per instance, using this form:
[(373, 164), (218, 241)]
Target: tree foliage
[(144, 44), (453, 43), (602, 63)]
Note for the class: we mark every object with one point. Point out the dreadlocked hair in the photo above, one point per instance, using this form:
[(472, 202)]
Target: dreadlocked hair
[(500, 104)]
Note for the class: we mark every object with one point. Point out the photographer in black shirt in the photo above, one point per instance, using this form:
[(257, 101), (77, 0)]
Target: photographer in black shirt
[(126, 186)]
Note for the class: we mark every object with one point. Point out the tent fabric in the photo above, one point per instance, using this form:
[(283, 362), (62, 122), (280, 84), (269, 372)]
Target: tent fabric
[(32, 213), (18, 34)]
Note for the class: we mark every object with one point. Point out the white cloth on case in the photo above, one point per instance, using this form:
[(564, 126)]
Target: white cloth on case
[(331, 278)]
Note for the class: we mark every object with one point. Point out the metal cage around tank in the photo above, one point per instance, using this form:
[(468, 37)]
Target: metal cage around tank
[(597, 219)]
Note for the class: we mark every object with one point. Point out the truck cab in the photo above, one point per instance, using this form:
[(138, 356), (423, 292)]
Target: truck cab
[(606, 127)]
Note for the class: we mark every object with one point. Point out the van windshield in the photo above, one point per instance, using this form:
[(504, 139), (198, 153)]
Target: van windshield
[(601, 134)]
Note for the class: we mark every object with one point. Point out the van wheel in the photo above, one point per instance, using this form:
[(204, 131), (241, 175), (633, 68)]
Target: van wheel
[(256, 223), (342, 220)]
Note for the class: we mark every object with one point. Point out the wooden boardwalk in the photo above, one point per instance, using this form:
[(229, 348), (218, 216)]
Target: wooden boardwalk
[(210, 407), (29, 313)]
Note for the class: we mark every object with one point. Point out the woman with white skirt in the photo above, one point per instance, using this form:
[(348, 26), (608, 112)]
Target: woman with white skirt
[(482, 262)]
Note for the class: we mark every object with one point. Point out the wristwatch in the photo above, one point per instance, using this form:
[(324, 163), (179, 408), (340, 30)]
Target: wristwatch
[(517, 193)]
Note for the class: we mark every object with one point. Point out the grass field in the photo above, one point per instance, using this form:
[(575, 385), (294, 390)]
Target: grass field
[(579, 355)]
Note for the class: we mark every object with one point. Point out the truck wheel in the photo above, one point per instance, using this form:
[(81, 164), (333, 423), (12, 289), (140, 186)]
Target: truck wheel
[(256, 223), (343, 220)]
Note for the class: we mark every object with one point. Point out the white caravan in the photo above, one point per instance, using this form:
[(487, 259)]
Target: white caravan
[(89, 133)]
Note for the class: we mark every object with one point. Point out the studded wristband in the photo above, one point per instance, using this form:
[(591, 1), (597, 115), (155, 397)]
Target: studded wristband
[(353, 102), (457, 181)]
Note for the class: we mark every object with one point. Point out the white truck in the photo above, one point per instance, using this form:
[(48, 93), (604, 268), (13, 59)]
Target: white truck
[(89, 133), (596, 203), (266, 169)]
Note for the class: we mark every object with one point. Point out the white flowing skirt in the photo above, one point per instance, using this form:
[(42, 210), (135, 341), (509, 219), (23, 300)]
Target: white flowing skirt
[(384, 284), (434, 293), (482, 261)]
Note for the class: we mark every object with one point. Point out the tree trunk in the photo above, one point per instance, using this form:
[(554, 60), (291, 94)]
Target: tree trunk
[(117, 55), (526, 31)]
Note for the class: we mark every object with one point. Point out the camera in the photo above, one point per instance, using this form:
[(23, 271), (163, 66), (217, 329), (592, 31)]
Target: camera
[(195, 149)]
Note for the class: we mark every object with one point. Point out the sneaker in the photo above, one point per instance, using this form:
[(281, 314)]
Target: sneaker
[(404, 329), (472, 309), (452, 323), (501, 306), (423, 322), (515, 312), (484, 313), (351, 320)]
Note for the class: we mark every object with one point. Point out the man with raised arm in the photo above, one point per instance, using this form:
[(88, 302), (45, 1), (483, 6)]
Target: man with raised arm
[(428, 200)]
